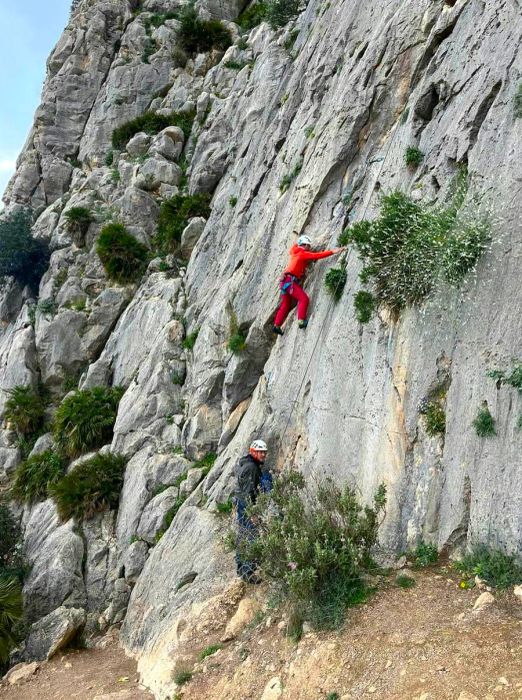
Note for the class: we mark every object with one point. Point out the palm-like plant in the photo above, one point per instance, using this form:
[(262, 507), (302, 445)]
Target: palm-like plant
[(24, 410), (11, 610)]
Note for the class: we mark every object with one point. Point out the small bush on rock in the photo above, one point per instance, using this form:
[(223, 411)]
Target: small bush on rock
[(11, 611), (279, 12), (92, 486), (424, 555), (78, 220), (174, 216), (9, 535), (484, 423), (122, 256), (85, 419), (492, 566), (317, 550), (404, 581), (517, 102), (253, 15), (151, 123), (435, 419), (22, 256), (206, 463), (364, 304), (190, 340), (199, 36), (33, 477), (24, 410), (335, 281), (413, 156)]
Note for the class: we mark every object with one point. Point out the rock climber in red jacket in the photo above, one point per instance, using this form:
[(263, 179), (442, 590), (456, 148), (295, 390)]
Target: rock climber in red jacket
[(290, 284)]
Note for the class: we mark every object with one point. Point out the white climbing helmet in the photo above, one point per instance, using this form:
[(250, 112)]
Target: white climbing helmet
[(304, 240), (259, 446)]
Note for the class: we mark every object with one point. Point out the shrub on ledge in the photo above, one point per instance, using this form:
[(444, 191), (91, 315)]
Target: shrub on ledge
[(150, 123), (123, 257)]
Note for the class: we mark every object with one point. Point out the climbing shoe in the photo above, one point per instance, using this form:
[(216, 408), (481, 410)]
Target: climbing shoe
[(278, 330), (303, 323)]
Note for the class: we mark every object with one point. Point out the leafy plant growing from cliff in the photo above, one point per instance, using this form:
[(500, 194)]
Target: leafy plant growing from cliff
[(364, 304), (151, 123), (413, 157), (190, 340), (411, 247), (11, 611), (424, 555), (279, 12), (492, 566), (206, 463), (78, 221), (33, 477), (199, 36), (174, 216), (92, 486), (517, 102), (484, 423), (237, 339), (24, 410), (85, 419), (253, 15), (22, 256), (287, 179), (435, 419), (335, 281), (122, 256), (318, 550)]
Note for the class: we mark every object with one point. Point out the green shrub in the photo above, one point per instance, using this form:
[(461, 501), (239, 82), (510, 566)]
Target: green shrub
[(435, 419), (232, 201), (182, 677), (47, 307), (492, 566), (33, 477), (513, 378), (287, 179), (9, 534), (424, 555), (253, 15), (332, 696), (171, 514), (22, 256), (109, 158), (178, 378), (174, 216), (225, 507), (335, 281), (410, 247), (517, 102), (237, 339), (206, 463), (199, 36), (413, 156), (92, 486), (11, 611), (24, 410), (484, 423), (364, 304), (279, 12), (122, 256), (160, 18), (85, 419), (318, 550), (208, 651), (190, 340), (404, 581), (78, 219), (151, 123), (149, 48)]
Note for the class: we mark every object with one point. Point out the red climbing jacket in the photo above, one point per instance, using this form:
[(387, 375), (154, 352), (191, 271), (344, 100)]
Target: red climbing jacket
[(299, 259)]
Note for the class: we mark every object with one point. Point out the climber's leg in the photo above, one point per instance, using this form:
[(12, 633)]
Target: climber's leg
[(302, 299), (283, 310)]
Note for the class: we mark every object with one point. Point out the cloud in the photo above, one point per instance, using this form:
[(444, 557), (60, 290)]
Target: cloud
[(7, 165)]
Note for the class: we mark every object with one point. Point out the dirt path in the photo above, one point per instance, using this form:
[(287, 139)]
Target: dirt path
[(81, 675)]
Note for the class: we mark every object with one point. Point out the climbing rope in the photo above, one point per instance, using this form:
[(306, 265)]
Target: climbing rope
[(342, 262)]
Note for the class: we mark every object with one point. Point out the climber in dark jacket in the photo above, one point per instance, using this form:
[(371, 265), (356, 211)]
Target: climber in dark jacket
[(251, 478)]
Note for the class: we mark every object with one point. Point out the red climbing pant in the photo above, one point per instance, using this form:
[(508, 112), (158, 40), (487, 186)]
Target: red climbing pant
[(293, 293)]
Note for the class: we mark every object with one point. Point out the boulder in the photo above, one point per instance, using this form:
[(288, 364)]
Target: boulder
[(134, 560), (21, 672), (54, 632), (153, 516), (191, 235), (483, 601), (245, 613), (156, 171), (138, 144)]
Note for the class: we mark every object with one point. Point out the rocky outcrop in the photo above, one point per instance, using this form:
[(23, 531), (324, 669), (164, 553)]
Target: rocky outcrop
[(296, 130)]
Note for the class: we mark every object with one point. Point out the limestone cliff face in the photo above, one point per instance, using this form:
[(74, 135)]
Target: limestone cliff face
[(361, 82)]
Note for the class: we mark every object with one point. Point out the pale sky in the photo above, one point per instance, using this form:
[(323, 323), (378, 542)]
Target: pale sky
[(30, 29)]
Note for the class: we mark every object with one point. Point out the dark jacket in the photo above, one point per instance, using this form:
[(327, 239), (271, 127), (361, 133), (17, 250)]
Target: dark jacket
[(250, 476)]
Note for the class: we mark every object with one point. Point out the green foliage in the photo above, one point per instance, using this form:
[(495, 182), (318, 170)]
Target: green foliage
[(85, 419), (435, 419), (33, 477), (199, 36), (287, 179), (232, 201), (364, 303), (309, 132), (92, 486), (424, 555), (492, 566), (190, 340), (171, 514), (512, 378), (279, 12), (410, 247), (21, 255), (122, 256), (11, 611), (24, 410), (150, 47), (318, 550), (178, 378), (332, 696), (235, 65), (404, 581), (517, 102), (78, 219), (9, 534), (109, 158), (254, 14), (237, 339), (47, 307), (151, 123), (335, 281), (160, 18), (225, 507), (174, 216), (206, 463), (208, 651), (484, 423), (182, 677), (413, 156)]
